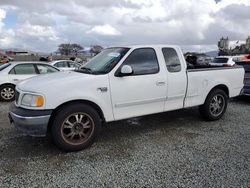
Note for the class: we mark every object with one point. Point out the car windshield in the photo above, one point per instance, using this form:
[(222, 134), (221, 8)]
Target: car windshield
[(104, 62), (220, 60), (4, 66)]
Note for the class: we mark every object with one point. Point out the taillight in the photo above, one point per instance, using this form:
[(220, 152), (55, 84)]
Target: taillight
[(227, 65)]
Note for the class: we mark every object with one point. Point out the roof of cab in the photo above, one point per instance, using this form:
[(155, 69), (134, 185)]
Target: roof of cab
[(146, 45)]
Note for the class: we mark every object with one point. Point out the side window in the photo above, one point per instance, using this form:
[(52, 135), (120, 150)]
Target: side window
[(44, 69), (23, 69), (72, 65), (61, 64), (143, 61), (171, 59)]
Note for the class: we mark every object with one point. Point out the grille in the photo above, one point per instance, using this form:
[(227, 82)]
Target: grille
[(16, 96)]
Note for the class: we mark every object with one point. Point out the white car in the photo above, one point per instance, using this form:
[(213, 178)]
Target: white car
[(120, 83), (66, 65), (225, 61), (14, 72)]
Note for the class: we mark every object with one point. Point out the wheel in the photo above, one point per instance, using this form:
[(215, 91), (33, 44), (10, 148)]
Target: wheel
[(75, 127), (7, 93), (215, 105)]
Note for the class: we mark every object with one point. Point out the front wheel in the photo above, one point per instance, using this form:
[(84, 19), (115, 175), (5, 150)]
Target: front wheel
[(215, 105), (7, 93), (75, 127)]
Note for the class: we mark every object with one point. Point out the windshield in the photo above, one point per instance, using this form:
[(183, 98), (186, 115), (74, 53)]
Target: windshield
[(220, 60), (4, 66), (105, 61)]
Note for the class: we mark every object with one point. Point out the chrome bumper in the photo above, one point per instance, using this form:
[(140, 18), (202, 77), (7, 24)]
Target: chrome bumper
[(29, 123)]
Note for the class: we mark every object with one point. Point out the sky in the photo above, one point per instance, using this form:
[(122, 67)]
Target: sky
[(194, 24)]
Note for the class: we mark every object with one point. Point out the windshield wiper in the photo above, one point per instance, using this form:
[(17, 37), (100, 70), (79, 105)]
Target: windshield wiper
[(85, 70)]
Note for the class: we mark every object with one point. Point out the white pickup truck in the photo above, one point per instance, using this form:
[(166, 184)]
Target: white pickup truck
[(119, 83)]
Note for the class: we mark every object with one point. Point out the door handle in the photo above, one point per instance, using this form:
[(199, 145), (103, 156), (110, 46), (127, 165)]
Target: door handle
[(15, 79), (160, 83)]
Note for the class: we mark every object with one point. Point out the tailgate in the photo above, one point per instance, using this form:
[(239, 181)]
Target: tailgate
[(246, 65)]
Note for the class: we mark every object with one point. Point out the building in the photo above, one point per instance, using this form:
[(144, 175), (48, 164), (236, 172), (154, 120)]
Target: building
[(223, 44), (248, 43), (227, 47)]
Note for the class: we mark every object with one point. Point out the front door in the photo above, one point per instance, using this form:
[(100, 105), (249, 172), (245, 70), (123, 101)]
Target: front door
[(21, 72), (142, 92)]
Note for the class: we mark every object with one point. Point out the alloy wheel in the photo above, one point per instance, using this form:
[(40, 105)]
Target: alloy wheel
[(7, 93), (77, 128), (217, 105)]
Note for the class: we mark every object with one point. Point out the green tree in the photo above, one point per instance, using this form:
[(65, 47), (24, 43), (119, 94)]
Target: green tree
[(96, 49), (69, 49)]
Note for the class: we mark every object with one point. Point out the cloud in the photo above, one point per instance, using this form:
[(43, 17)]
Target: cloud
[(5, 35), (122, 22), (104, 30), (2, 16)]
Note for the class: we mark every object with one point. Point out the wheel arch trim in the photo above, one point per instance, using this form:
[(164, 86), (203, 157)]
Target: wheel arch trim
[(77, 101)]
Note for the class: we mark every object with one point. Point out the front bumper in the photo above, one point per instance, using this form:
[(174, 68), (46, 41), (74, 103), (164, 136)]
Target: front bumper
[(31, 122)]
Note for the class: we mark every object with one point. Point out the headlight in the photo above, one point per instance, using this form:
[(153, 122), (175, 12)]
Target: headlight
[(32, 100)]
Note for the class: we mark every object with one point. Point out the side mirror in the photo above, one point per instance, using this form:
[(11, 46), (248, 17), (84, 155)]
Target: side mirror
[(125, 71)]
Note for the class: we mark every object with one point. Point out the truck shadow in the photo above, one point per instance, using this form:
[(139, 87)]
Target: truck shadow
[(21, 146), (15, 145), (244, 100)]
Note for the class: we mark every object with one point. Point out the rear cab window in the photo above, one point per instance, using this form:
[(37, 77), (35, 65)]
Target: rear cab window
[(171, 59)]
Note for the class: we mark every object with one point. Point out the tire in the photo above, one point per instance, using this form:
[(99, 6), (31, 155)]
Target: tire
[(215, 105), (7, 93), (75, 127)]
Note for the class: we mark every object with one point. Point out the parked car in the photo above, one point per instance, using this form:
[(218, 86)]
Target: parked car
[(223, 61), (66, 65), (120, 83), (14, 72), (246, 65), (227, 61), (5, 59)]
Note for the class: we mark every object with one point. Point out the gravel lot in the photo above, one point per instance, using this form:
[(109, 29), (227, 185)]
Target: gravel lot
[(175, 149)]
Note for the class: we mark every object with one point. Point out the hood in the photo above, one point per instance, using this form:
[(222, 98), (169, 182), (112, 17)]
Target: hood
[(53, 81)]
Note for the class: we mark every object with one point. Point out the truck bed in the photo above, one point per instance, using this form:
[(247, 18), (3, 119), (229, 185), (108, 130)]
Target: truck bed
[(202, 80)]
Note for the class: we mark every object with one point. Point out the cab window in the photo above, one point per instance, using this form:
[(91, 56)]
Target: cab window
[(143, 61), (171, 59)]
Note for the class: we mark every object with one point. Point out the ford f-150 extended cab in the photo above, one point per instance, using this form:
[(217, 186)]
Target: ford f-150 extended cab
[(119, 83)]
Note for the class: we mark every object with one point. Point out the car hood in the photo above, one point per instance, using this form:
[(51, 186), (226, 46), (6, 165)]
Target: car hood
[(53, 81)]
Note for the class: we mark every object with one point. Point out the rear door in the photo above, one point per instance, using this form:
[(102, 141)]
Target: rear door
[(144, 91), (45, 69), (21, 72), (177, 79)]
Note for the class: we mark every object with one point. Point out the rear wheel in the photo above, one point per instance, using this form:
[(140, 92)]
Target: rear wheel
[(7, 93), (75, 127), (215, 105)]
